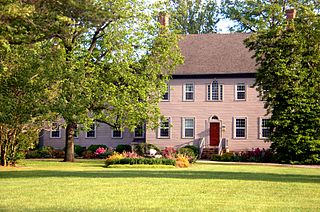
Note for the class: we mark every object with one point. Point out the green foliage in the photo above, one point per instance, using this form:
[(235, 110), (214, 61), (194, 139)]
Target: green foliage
[(143, 148), (288, 80), (123, 148), (94, 147), (147, 161), (189, 153), (194, 16), (79, 149)]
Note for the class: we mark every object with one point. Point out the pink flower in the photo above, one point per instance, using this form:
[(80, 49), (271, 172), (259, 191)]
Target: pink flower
[(100, 151)]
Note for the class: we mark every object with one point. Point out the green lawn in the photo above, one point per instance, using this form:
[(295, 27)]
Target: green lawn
[(88, 186)]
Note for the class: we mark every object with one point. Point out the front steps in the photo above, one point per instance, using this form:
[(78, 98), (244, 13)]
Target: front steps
[(208, 152)]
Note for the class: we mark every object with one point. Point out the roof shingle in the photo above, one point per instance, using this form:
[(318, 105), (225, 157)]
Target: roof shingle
[(215, 54)]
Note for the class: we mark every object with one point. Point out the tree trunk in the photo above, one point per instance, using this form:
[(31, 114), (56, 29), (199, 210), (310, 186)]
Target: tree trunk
[(4, 156), (69, 149)]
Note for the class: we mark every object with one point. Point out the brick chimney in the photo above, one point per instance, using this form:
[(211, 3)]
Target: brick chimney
[(164, 19), (291, 14)]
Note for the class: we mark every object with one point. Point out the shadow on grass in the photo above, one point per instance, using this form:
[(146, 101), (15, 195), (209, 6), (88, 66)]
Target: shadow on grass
[(179, 174)]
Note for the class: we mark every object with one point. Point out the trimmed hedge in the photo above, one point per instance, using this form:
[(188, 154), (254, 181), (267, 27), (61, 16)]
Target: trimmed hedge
[(148, 161), (94, 147)]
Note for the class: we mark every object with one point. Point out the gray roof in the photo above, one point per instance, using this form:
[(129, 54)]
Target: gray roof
[(215, 54)]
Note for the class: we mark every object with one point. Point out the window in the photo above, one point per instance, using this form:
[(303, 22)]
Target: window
[(214, 91), (164, 129), (116, 134), (92, 132), (139, 132), (240, 128), (240, 91), (166, 95), (188, 92), (55, 131), (188, 127), (264, 128)]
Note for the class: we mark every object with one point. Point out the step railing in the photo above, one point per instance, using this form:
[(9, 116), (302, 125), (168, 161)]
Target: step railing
[(202, 145), (223, 145)]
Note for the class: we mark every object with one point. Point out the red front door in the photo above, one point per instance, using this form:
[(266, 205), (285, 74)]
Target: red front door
[(214, 134)]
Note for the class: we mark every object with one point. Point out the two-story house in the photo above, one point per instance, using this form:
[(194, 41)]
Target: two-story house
[(211, 97)]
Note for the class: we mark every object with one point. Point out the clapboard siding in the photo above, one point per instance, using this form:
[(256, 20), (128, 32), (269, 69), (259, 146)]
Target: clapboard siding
[(252, 108)]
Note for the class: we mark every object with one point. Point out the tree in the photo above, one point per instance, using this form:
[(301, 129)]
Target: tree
[(288, 80), (109, 62), (194, 16), (252, 15)]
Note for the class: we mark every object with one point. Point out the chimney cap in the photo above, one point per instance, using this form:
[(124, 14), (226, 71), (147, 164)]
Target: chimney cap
[(164, 19), (291, 14)]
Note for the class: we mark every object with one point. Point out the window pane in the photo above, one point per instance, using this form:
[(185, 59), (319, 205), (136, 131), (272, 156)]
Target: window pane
[(189, 96), (189, 87), (189, 123), (116, 134), (92, 132), (241, 95), (164, 132), (138, 131), (215, 90), (265, 122), (240, 133), (55, 134), (166, 94), (55, 130), (265, 133), (240, 123), (241, 87), (188, 133)]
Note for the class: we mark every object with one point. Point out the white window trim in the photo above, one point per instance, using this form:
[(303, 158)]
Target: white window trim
[(158, 131), (219, 92), (168, 89), (134, 133), (183, 127), (236, 91), (59, 127), (121, 134), (261, 128), (184, 92), (234, 127), (95, 132)]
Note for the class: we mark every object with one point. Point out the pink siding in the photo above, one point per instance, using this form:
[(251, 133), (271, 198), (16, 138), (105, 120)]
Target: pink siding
[(202, 110)]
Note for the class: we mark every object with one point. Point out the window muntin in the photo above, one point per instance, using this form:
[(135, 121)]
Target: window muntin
[(92, 132), (116, 133), (188, 92), (241, 91), (240, 127), (164, 129), (55, 131), (166, 95), (264, 128), (188, 128), (139, 132), (215, 91)]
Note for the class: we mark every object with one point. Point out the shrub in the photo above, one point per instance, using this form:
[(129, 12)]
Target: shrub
[(131, 161), (194, 149), (143, 148), (33, 154), (58, 153), (189, 153), (182, 161), (88, 154), (169, 152), (79, 149), (113, 159), (46, 152), (216, 157), (94, 147), (123, 148), (100, 151)]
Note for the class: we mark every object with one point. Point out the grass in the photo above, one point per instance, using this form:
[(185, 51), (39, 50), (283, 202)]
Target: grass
[(87, 186)]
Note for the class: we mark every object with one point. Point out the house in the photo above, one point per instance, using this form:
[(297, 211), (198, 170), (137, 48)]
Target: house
[(210, 99)]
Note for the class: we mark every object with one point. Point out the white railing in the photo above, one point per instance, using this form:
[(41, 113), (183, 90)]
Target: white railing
[(202, 145), (222, 145)]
